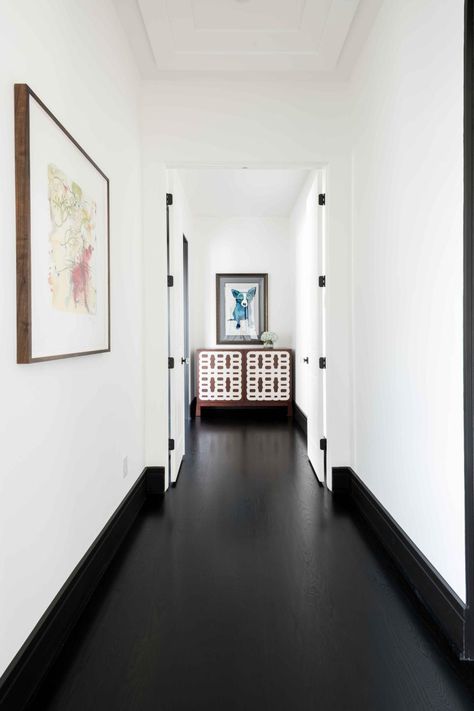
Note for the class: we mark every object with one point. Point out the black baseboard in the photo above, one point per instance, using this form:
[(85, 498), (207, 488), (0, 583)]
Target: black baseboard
[(174, 483), (300, 419), (443, 605), (192, 408), (155, 480), (25, 672)]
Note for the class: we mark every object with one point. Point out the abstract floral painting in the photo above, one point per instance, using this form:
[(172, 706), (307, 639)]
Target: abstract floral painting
[(62, 239), (72, 245)]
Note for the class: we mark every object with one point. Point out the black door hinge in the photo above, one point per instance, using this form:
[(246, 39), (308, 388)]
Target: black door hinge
[(322, 281), (170, 363), (322, 363), (323, 444), (169, 198), (170, 280), (322, 199), (171, 444)]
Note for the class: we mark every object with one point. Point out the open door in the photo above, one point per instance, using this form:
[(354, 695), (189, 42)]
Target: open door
[(175, 341), (317, 443)]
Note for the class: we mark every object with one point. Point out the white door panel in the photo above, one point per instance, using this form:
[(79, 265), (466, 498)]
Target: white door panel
[(176, 326), (316, 329)]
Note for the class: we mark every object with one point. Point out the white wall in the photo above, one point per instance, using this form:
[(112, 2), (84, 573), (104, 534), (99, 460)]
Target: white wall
[(407, 274), (275, 124), (241, 244), (66, 425)]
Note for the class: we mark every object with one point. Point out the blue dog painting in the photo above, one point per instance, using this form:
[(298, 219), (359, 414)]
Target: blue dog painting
[(243, 299)]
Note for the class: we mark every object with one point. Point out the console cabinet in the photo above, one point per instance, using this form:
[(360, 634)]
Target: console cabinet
[(244, 377)]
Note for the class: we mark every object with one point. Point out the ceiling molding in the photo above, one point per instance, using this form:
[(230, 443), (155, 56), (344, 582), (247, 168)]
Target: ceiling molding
[(267, 39)]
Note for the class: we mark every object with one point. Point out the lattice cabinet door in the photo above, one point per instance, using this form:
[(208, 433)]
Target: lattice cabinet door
[(268, 375), (220, 376)]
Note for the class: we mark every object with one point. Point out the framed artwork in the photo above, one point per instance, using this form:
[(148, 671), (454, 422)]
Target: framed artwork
[(62, 239), (242, 307)]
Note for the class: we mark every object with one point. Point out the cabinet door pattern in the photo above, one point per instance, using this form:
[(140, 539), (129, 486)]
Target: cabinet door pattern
[(244, 378), (220, 375), (268, 375)]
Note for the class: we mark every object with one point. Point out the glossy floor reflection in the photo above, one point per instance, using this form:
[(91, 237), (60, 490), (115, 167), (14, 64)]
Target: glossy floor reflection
[(247, 588)]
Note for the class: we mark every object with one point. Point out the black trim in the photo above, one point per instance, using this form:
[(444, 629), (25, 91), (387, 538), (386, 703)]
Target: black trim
[(320, 483), (44, 644), (173, 483), (300, 419), (444, 606), (469, 321), (155, 481), (192, 407)]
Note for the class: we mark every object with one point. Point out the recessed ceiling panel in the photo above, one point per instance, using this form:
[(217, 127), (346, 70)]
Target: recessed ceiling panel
[(263, 34), (245, 36), (244, 15)]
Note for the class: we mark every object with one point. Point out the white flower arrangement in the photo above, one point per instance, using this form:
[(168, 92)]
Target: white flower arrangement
[(268, 338)]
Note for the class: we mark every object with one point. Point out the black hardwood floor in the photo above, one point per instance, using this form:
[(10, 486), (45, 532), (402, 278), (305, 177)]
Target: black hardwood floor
[(248, 587)]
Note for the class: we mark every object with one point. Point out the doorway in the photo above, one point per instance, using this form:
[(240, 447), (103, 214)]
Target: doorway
[(243, 222)]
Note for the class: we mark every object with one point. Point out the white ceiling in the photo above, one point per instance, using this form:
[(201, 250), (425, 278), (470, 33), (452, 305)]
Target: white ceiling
[(321, 37), (242, 192)]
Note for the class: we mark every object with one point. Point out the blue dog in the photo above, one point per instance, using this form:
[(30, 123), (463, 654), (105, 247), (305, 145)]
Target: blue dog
[(242, 301)]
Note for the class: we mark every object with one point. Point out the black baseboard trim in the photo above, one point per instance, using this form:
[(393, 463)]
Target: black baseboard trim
[(300, 419), (320, 483), (25, 673), (174, 483), (192, 408), (155, 481), (443, 605)]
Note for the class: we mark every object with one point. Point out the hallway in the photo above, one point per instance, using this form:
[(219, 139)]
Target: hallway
[(250, 587)]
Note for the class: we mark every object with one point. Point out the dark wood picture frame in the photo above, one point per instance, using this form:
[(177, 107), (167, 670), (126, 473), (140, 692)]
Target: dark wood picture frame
[(23, 94), (264, 311)]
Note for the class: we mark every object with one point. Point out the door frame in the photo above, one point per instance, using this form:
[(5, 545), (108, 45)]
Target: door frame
[(171, 165), (468, 275)]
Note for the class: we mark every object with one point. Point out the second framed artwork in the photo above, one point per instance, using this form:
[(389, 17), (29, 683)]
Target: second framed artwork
[(62, 213), (241, 307)]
